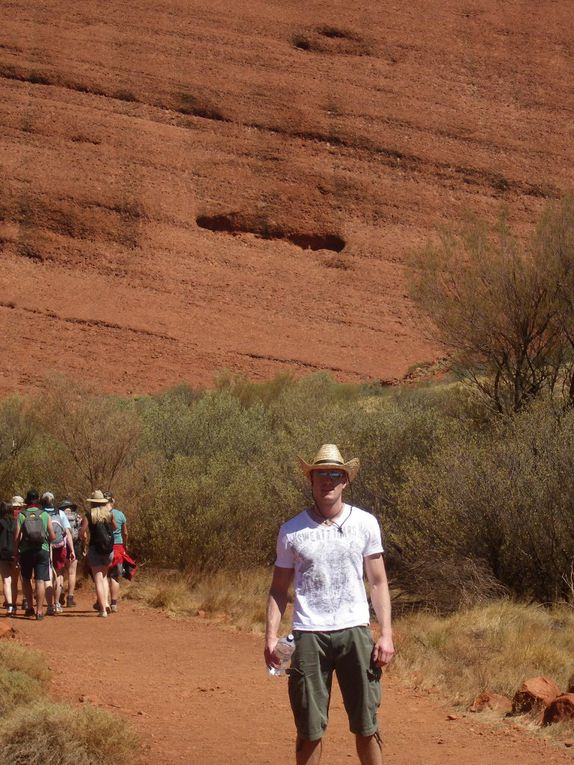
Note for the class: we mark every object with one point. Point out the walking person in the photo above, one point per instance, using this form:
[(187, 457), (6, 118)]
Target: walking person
[(7, 536), (61, 548), (120, 549), (99, 521), (325, 551), (16, 503), (71, 566), (32, 549)]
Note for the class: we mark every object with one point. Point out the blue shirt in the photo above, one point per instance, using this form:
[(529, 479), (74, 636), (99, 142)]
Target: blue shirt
[(120, 520)]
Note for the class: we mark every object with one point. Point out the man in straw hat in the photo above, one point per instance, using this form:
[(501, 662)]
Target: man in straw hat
[(325, 551)]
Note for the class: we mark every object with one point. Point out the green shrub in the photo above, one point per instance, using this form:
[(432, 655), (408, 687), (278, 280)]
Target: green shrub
[(504, 497), (503, 306)]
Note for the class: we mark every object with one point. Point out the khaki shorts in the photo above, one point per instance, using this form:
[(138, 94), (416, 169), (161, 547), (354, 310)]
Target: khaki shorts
[(317, 655)]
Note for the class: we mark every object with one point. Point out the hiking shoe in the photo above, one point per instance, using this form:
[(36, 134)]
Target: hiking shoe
[(70, 601), (11, 610), (62, 599), (50, 611), (114, 608), (96, 606), (29, 612), (103, 614), (39, 616), (59, 608)]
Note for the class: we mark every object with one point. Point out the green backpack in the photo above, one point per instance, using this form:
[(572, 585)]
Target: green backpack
[(33, 531)]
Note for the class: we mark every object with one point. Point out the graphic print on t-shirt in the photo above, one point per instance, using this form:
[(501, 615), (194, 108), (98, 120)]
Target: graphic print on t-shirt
[(326, 561)]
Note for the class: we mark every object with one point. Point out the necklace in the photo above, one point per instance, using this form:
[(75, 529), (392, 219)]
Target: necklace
[(330, 521)]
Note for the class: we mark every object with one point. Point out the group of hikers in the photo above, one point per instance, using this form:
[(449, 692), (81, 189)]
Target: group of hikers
[(46, 542)]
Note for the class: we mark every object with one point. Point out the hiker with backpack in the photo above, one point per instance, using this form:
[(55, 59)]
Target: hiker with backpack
[(75, 520), (61, 548), (32, 549), (100, 523), (7, 536)]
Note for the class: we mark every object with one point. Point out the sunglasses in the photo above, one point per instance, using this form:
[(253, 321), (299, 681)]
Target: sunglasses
[(334, 475)]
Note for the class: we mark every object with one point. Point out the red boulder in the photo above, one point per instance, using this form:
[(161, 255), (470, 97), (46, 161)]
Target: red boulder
[(534, 694), (493, 701), (560, 709)]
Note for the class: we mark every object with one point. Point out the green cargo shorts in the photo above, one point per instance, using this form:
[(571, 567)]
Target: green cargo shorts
[(348, 653)]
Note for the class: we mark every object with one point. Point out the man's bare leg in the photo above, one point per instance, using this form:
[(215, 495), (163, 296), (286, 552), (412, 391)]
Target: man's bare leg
[(308, 752), (27, 590), (369, 750), (41, 591)]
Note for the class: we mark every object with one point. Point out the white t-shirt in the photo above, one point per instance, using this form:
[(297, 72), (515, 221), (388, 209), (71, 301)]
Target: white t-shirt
[(328, 563)]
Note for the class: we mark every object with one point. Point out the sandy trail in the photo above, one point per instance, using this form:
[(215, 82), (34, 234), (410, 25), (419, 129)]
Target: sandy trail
[(198, 693)]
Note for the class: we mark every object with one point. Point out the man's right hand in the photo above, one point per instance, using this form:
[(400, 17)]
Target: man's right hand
[(269, 653)]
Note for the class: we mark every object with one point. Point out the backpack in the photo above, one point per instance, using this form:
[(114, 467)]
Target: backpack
[(33, 531), (58, 527), (75, 521), (102, 537), (7, 528)]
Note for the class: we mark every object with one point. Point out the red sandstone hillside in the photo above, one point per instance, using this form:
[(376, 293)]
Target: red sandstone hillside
[(192, 185)]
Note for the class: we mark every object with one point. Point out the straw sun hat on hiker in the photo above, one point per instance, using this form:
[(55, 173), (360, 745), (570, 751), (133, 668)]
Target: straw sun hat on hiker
[(97, 498), (17, 501), (329, 458)]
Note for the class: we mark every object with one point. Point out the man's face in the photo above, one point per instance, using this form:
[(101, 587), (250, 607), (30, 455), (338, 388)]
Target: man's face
[(328, 485)]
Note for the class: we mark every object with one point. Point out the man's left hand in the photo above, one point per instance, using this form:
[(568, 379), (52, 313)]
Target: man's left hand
[(383, 651)]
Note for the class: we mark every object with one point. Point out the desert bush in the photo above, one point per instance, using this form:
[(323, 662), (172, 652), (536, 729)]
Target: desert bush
[(503, 497), (227, 470), (17, 433), (503, 307), (97, 434), (47, 733)]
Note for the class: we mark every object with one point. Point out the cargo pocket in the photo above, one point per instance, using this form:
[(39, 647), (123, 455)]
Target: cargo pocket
[(299, 702), (374, 692)]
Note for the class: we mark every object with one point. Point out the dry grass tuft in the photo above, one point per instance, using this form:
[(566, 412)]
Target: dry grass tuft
[(46, 733), (15, 657), (16, 688), (492, 647), (236, 597)]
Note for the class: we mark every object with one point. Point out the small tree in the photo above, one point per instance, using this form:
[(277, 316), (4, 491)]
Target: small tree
[(504, 309), (99, 433)]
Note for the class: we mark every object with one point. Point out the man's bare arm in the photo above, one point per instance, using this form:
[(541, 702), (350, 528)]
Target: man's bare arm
[(380, 598), (276, 604)]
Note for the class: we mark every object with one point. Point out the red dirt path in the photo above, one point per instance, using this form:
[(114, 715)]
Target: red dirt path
[(198, 693)]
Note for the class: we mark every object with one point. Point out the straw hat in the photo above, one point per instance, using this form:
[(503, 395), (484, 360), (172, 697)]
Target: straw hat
[(329, 458), (97, 498), (17, 501)]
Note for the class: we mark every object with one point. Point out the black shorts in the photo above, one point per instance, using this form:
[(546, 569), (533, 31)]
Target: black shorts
[(35, 562), (77, 549)]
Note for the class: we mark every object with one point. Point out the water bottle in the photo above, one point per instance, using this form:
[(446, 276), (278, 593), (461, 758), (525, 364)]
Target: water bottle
[(283, 650)]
